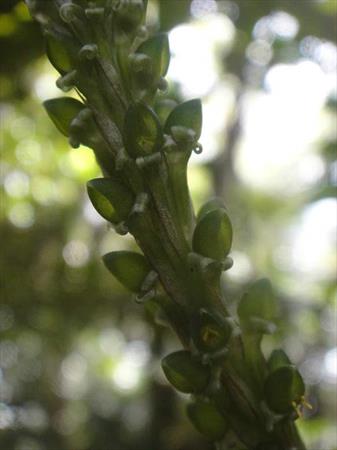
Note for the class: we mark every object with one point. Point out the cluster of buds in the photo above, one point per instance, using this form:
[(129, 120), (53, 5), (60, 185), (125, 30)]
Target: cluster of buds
[(142, 140)]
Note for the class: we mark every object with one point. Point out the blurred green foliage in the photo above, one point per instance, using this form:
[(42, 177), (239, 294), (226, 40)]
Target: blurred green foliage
[(78, 359)]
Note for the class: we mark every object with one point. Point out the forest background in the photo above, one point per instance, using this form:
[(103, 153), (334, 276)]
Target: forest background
[(79, 361)]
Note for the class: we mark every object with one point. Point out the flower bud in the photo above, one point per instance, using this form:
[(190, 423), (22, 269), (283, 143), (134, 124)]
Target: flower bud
[(142, 131), (59, 55), (130, 269), (188, 115), (257, 308), (278, 359), (284, 389), (62, 112), (213, 235), (111, 199), (210, 205), (157, 51), (207, 419), (185, 373)]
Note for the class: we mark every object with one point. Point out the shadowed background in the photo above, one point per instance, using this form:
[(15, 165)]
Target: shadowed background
[(79, 361)]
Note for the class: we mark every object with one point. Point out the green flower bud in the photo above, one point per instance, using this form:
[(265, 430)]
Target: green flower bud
[(157, 51), (188, 115), (207, 419), (284, 389), (163, 109), (129, 268), (210, 205), (278, 359), (142, 131), (185, 373), (111, 199), (213, 235), (257, 308), (59, 55), (210, 332), (62, 111)]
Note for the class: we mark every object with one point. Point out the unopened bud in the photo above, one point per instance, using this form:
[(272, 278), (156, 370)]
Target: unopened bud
[(111, 199), (207, 419), (185, 373), (213, 235), (187, 115), (210, 205), (142, 131), (129, 268), (63, 112), (258, 307)]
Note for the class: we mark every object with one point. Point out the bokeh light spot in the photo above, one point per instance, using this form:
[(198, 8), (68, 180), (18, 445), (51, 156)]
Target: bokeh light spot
[(44, 190), (22, 215), (330, 365), (76, 253), (17, 184)]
